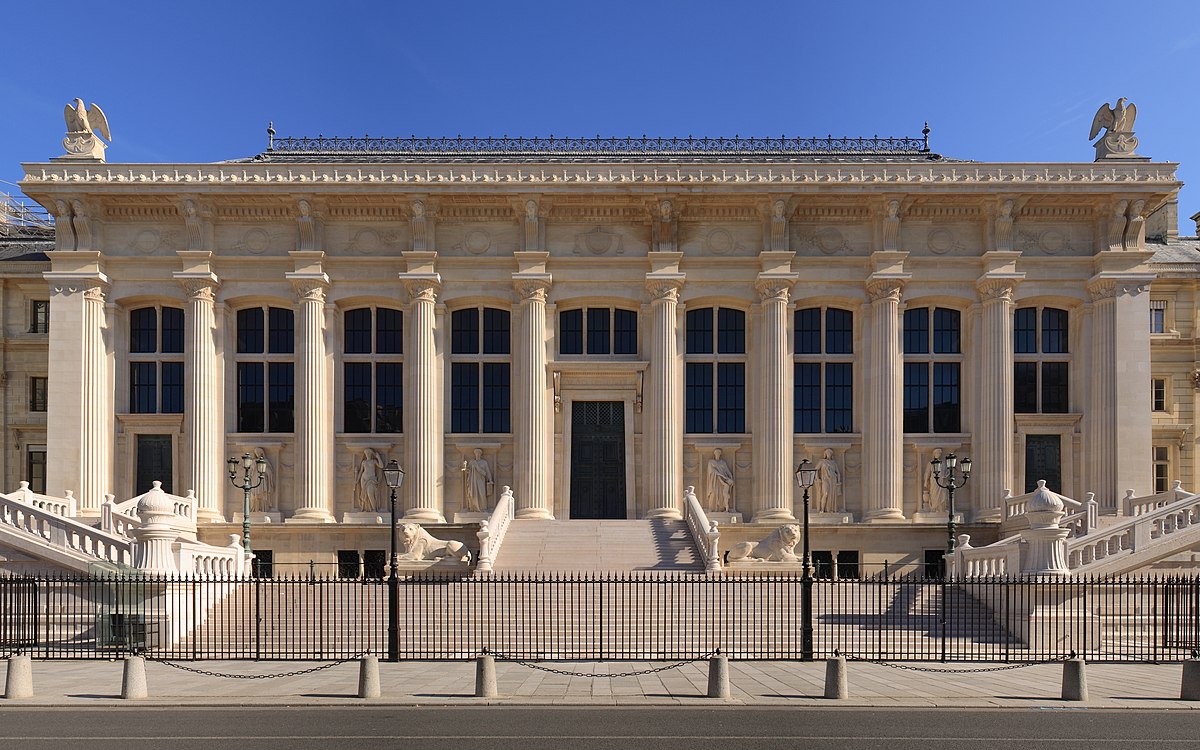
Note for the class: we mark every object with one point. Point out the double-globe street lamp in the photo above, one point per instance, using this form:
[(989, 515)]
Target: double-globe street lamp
[(394, 476), (950, 482), (806, 476), (246, 463)]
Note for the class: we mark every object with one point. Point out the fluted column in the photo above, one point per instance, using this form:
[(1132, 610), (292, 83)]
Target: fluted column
[(203, 422), (663, 402), (773, 433), (992, 441), (314, 398), (883, 437), (423, 424), (531, 428)]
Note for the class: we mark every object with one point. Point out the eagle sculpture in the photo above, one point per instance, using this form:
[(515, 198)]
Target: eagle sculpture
[(1118, 119), (90, 120)]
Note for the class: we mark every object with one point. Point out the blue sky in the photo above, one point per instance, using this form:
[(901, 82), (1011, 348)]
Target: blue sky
[(1008, 81)]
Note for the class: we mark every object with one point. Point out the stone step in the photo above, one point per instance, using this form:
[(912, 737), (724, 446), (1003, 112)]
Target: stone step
[(597, 545)]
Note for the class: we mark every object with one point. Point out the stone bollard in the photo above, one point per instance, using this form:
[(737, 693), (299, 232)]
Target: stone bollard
[(1074, 681), (718, 677), (835, 678), (368, 677), (1189, 689), (19, 682), (485, 676), (133, 678)]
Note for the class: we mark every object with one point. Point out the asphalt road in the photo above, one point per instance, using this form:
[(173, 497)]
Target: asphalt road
[(534, 728)]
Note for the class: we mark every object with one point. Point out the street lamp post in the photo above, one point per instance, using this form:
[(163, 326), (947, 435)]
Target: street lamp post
[(247, 462), (806, 476), (951, 483), (394, 476)]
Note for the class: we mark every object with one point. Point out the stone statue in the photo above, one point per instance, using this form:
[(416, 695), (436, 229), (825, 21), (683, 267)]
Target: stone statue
[(827, 491), (934, 495), (478, 482), (779, 546), (891, 226), (367, 482), (262, 496), (720, 483), (1119, 140), (419, 544), (83, 125)]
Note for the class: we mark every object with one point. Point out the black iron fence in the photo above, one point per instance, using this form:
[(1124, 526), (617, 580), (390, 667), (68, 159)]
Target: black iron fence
[(643, 616)]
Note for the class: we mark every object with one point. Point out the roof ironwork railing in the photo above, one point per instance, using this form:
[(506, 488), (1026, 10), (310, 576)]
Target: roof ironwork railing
[(23, 220)]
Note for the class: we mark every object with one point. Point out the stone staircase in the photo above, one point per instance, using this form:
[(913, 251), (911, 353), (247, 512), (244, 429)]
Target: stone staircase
[(598, 545)]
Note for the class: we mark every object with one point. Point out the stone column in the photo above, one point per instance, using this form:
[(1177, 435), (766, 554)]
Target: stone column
[(992, 442), (883, 433), (314, 410), (663, 401), (531, 424), (206, 471), (773, 438), (423, 425)]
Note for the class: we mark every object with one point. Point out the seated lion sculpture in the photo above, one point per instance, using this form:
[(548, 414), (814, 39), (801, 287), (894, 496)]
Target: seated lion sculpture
[(777, 547), (419, 544)]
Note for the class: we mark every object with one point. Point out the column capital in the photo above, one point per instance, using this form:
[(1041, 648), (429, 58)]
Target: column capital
[(199, 288), (311, 289), (664, 288), (885, 289), (532, 288), (775, 288), (423, 288), (996, 288), (1102, 286)]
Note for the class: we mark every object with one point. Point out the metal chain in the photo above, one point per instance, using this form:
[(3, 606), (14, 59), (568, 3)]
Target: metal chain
[(230, 675), (965, 670), (552, 670)]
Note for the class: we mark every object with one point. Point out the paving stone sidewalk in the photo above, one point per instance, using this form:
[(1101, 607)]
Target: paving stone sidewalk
[(76, 683)]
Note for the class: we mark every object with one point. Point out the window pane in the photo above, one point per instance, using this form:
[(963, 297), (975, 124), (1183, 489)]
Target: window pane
[(700, 331), (808, 331), (625, 331), (495, 331), (282, 394), (1025, 388), (356, 338), (464, 331), (143, 387), (35, 470), (1054, 388), (1054, 331), (570, 332), (1158, 394), (172, 330), (946, 410), (839, 397), (916, 331), (945, 331), (1157, 320), (389, 331), (916, 397), (37, 393), (143, 330), (464, 397), (250, 396), (807, 398), (356, 387), (731, 397), (698, 395), (847, 564), (1025, 330), (282, 333), (731, 331), (40, 316), (839, 331), (172, 388), (597, 330), (496, 394), (389, 397), (250, 331)]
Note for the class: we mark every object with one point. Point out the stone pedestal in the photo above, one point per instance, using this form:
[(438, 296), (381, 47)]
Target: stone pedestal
[(937, 518), (724, 519), (471, 517), (367, 518), (259, 518), (830, 519)]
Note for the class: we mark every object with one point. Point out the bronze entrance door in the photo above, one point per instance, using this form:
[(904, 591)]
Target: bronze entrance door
[(598, 459), (153, 463), (1043, 460)]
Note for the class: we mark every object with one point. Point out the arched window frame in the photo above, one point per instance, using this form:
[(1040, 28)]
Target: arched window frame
[(823, 370), (481, 373), (933, 380), (265, 368), (1041, 359), (602, 331), (155, 359), (715, 373), (373, 371)]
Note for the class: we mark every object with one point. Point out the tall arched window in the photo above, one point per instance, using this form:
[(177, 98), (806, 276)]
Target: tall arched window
[(715, 371), (480, 354), (266, 378), (156, 360), (1041, 363), (932, 370), (373, 370), (824, 370)]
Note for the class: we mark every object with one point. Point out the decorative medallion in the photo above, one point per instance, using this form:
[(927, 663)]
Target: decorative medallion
[(599, 241), (477, 242), (719, 242), (942, 241), (147, 241), (255, 241), (829, 241), (366, 242), (1053, 242)]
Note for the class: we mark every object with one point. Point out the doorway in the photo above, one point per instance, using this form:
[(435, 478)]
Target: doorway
[(598, 459), (1043, 460), (154, 463)]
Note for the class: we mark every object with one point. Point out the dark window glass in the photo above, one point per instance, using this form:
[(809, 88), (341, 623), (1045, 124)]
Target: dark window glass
[(1025, 330), (570, 332), (822, 561), (282, 396), (946, 331), (172, 388), (389, 397), (807, 388), (700, 331), (731, 397), (172, 330), (597, 330), (357, 396), (464, 397), (946, 408), (495, 397), (839, 397), (1054, 388), (808, 331), (38, 393), (464, 331), (348, 563), (35, 470), (39, 316), (143, 387), (143, 330), (250, 331), (389, 331), (916, 331), (283, 339), (698, 396), (264, 563), (625, 325), (916, 397), (357, 336), (374, 563), (847, 564), (1054, 331), (495, 331), (1025, 388), (731, 331), (839, 331), (250, 397)]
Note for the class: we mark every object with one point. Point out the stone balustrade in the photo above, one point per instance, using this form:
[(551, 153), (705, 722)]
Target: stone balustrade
[(1136, 533), (66, 506), (61, 531), (1136, 506), (1000, 559), (704, 532), (122, 518), (491, 531), (205, 560)]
